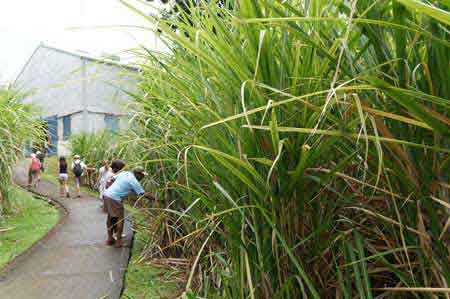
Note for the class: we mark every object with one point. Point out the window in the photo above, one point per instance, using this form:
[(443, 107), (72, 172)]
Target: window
[(111, 123), (67, 130)]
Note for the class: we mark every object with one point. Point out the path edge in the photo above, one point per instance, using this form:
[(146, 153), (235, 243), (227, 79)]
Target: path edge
[(130, 254), (63, 214)]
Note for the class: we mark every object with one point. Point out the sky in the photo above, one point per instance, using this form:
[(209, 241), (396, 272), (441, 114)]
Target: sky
[(72, 25)]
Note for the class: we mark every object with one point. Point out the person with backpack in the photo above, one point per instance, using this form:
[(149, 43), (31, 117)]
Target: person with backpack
[(41, 156), (34, 171), (78, 168)]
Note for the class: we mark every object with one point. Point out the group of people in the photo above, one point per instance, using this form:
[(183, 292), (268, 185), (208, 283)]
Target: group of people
[(114, 186), (36, 168), (78, 168), (113, 183)]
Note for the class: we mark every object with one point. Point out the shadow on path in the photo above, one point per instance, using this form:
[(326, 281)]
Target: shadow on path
[(72, 261)]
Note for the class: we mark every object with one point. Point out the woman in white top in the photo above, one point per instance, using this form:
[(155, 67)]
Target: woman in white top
[(104, 174)]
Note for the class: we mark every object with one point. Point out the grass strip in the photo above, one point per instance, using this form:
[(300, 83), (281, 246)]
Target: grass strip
[(30, 219)]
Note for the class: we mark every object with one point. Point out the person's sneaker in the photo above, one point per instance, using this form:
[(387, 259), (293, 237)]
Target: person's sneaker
[(110, 242), (119, 244), (123, 235)]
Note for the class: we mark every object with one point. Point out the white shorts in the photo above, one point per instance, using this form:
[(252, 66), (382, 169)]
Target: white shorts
[(63, 177)]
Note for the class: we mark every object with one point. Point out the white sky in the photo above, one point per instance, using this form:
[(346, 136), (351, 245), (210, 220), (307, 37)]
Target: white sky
[(26, 23)]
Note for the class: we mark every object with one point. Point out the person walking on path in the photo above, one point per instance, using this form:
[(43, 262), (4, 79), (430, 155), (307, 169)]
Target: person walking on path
[(41, 156), (104, 174), (63, 178), (78, 168), (34, 171), (124, 183)]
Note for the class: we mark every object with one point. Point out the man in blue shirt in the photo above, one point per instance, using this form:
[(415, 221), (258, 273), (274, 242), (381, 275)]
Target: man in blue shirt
[(124, 183)]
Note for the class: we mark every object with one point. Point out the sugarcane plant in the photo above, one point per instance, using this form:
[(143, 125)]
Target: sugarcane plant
[(300, 148), (97, 147), (19, 127)]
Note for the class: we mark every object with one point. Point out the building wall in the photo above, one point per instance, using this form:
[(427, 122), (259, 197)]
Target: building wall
[(61, 83), (76, 122), (52, 80), (105, 85), (95, 124)]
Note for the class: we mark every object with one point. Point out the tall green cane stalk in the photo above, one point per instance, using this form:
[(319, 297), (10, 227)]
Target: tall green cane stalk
[(300, 149)]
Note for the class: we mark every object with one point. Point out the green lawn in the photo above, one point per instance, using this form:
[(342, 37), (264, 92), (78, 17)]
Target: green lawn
[(144, 281), (30, 220)]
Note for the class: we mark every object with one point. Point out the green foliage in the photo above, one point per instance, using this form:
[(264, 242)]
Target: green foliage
[(18, 126), (29, 220), (144, 280), (96, 147), (300, 148)]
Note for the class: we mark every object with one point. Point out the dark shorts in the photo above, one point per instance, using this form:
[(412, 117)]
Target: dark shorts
[(113, 207), (35, 171), (78, 180)]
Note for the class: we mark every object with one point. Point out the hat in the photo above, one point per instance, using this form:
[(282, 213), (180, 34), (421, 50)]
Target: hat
[(38, 153), (76, 157), (140, 170)]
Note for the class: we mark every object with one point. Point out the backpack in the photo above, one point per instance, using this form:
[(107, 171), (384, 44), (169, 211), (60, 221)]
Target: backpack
[(77, 169), (35, 164)]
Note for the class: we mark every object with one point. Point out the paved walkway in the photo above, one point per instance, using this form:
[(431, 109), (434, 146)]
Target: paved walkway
[(72, 261)]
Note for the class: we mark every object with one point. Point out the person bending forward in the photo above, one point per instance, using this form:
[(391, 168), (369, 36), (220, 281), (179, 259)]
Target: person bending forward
[(124, 183)]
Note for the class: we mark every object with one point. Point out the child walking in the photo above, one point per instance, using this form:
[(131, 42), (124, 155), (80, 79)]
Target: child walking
[(63, 178)]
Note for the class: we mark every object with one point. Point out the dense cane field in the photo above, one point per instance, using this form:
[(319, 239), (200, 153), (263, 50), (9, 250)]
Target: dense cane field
[(300, 149), (18, 127)]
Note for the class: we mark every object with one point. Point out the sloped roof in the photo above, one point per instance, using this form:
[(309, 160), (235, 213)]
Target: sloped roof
[(61, 82), (79, 55)]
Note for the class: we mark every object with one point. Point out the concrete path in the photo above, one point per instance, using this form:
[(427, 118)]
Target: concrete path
[(72, 261)]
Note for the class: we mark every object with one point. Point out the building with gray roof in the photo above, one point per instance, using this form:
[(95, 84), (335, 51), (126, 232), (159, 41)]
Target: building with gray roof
[(76, 93)]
